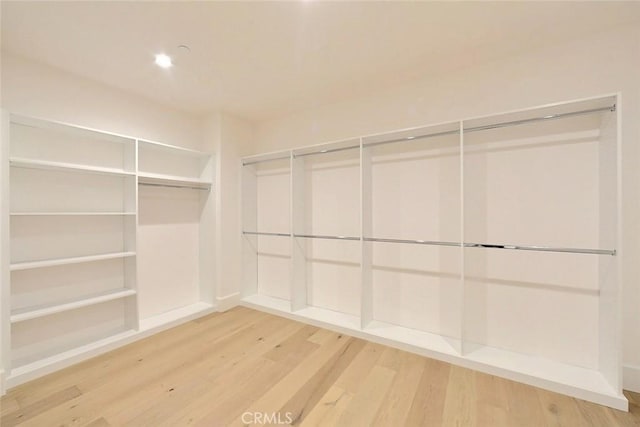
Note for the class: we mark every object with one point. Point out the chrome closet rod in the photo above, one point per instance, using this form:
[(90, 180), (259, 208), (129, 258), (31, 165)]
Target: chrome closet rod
[(612, 108), (417, 242), (543, 249), (253, 162), (189, 187), (317, 236), (328, 150), (411, 138), (264, 233)]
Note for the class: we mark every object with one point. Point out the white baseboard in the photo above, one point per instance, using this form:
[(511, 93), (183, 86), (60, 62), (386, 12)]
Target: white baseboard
[(631, 378), (228, 302)]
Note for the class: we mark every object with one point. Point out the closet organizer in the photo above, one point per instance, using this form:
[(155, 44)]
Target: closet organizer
[(491, 243), (105, 239)]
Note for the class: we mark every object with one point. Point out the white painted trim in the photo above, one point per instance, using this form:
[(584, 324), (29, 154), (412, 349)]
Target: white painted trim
[(228, 302), (631, 378)]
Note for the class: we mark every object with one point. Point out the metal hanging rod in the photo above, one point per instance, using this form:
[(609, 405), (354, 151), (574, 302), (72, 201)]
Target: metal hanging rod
[(611, 108), (417, 242), (543, 249), (316, 236), (189, 187), (411, 138), (264, 233), (253, 162), (328, 150), (445, 243)]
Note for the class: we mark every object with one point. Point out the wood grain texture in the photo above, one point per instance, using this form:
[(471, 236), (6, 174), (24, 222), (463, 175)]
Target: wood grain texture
[(245, 367)]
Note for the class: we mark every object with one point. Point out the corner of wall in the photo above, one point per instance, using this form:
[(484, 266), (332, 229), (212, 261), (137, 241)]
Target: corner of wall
[(631, 375)]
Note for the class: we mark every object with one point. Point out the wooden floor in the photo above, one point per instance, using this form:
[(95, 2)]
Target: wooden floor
[(245, 366)]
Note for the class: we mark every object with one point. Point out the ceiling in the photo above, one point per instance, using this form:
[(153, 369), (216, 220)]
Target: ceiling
[(262, 60)]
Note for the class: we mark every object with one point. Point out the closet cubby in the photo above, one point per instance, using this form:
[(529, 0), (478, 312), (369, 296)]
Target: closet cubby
[(412, 234), (105, 239), (266, 241), (490, 242), (176, 222), (48, 145), (326, 230), (164, 164)]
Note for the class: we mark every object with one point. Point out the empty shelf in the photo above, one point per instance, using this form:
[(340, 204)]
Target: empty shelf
[(63, 261), (46, 310), (72, 213), (172, 181), (70, 167)]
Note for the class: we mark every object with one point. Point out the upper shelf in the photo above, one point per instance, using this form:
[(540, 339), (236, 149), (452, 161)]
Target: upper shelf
[(161, 180), (172, 149), (67, 167), (27, 265)]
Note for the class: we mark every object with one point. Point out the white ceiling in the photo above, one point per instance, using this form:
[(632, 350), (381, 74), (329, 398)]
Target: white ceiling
[(262, 60)]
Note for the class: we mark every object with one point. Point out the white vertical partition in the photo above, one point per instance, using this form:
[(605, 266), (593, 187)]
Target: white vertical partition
[(366, 221), (299, 285), (5, 277), (610, 303), (249, 223)]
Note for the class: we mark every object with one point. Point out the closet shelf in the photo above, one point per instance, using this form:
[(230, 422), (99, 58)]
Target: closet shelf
[(174, 149), (72, 213), (46, 310), (161, 180), (22, 372), (64, 261), (69, 167)]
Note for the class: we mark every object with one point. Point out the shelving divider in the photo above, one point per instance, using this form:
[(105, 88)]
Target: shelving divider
[(299, 247), (5, 257), (461, 347), (366, 229)]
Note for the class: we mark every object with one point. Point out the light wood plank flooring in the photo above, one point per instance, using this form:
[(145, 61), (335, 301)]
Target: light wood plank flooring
[(246, 367)]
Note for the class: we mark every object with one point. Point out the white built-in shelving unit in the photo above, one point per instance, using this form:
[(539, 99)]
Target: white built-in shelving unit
[(94, 226), (490, 242)]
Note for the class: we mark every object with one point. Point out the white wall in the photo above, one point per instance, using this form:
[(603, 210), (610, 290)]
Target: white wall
[(229, 137), (603, 63), (41, 91)]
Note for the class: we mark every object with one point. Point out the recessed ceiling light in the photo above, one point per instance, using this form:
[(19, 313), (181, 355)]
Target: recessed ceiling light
[(163, 61)]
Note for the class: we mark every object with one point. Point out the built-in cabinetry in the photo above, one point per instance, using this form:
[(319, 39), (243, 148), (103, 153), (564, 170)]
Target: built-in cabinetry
[(490, 242), (104, 240)]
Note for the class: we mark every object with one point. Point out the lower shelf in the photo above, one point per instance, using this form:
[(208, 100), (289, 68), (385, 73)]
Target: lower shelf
[(46, 310), (35, 369), (581, 383), (30, 371)]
